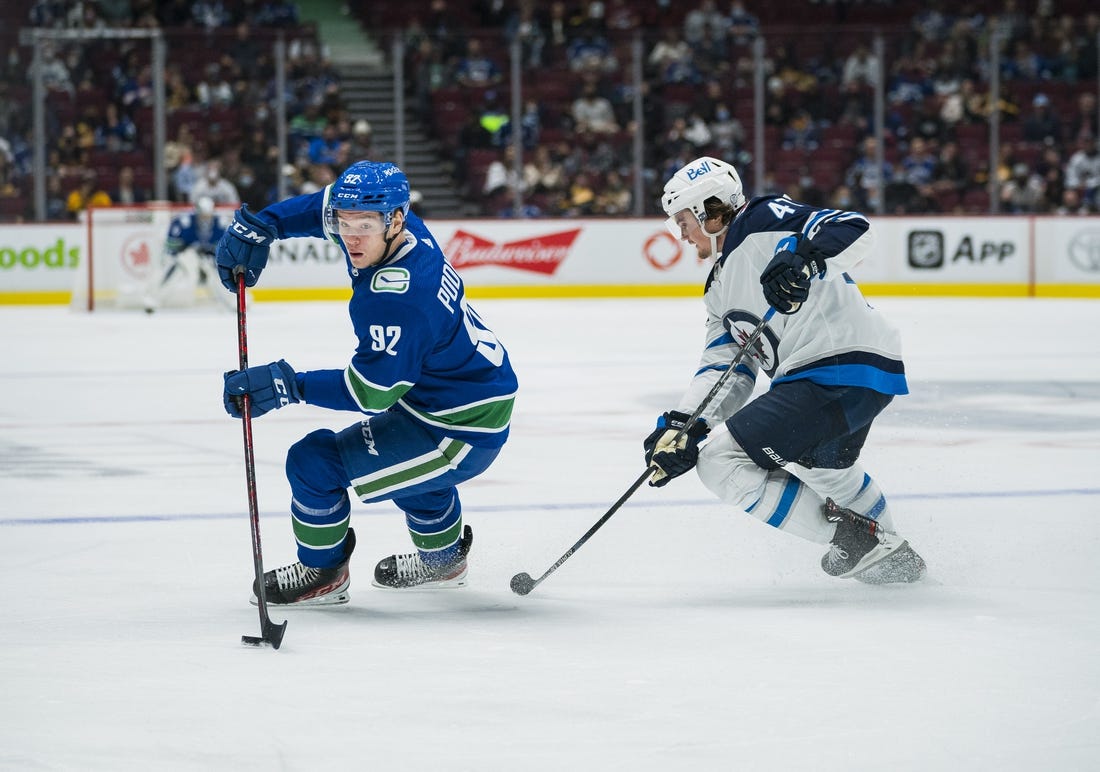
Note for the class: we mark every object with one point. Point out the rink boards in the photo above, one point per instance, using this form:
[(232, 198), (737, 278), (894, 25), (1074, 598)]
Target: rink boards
[(982, 256)]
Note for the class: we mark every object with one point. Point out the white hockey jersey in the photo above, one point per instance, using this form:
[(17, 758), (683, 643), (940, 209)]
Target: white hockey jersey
[(835, 339)]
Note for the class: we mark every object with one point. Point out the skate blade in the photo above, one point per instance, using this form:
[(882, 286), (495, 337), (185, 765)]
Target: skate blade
[(442, 584), (332, 599), (904, 566)]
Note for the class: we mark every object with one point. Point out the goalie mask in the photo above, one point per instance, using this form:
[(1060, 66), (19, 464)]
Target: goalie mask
[(691, 186), (366, 186)]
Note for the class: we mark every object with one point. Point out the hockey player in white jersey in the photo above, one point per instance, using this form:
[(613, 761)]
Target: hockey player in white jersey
[(790, 457)]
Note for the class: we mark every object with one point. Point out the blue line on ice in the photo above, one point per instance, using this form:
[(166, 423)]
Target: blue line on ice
[(181, 516)]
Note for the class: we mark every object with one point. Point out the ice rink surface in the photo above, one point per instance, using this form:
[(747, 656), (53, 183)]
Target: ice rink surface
[(683, 636)]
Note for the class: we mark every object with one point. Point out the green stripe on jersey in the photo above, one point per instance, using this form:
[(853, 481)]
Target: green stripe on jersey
[(372, 396), (489, 416), (319, 536), (433, 542), (411, 472)]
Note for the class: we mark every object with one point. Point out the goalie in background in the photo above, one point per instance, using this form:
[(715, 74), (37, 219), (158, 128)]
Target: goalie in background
[(187, 265)]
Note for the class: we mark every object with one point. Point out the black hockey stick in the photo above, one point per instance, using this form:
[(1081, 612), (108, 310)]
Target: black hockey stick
[(523, 583), (269, 631)]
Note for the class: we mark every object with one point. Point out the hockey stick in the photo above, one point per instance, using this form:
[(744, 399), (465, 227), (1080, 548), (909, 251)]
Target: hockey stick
[(269, 631), (523, 583)]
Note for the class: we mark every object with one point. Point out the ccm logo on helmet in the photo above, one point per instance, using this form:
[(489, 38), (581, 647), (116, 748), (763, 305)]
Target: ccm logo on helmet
[(698, 172)]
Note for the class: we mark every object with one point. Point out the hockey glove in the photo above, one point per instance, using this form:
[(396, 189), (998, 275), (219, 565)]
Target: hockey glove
[(244, 247), (786, 279), (270, 387), (673, 457)]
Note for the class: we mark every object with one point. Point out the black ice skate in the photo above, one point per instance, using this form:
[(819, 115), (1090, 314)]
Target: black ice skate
[(405, 571), (298, 585), (860, 549)]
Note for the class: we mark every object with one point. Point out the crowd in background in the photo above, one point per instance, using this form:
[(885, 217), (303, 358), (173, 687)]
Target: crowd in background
[(577, 120)]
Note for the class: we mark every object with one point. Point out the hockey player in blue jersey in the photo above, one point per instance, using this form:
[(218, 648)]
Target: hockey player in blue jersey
[(790, 457), (188, 251), (434, 380)]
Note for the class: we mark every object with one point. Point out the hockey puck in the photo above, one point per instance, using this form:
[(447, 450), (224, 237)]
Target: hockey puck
[(522, 584)]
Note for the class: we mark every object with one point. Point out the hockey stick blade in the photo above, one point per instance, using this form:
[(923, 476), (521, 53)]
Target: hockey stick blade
[(272, 636)]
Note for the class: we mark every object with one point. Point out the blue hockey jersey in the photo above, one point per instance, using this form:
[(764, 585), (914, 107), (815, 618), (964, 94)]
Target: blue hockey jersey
[(835, 339), (422, 348), (189, 231)]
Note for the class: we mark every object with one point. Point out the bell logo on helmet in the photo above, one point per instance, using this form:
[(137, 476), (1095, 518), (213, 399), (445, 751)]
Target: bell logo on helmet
[(698, 172)]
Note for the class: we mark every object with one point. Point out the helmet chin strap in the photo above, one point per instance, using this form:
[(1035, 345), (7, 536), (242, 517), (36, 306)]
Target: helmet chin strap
[(714, 237)]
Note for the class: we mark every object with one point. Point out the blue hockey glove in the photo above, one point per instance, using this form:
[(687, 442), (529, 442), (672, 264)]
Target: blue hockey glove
[(673, 459), (786, 279), (244, 247), (269, 386)]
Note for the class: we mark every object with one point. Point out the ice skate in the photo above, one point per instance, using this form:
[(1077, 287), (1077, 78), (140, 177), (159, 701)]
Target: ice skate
[(858, 545), (406, 571), (299, 585)]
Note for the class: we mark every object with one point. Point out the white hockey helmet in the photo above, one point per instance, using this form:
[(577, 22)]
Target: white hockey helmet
[(699, 180), (204, 206)]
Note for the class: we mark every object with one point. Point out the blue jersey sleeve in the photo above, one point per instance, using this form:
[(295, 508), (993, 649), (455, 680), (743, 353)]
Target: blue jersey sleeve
[(297, 216)]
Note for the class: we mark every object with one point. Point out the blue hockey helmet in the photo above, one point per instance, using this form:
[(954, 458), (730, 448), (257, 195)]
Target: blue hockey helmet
[(367, 186)]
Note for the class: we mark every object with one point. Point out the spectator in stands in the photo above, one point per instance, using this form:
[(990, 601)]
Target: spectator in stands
[(614, 197), (320, 176), (1084, 39), (951, 174), (1083, 169), (861, 69), (213, 185), (55, 75), (672, 60), (326, 149), (919, 164), (965, 106), (89, 193), (523, 25), (743, 27), (728, 133), (863, 177), (1084, 120), (593, 113), (1072, 204), (1023, 192), (213, 90), (927, 123), (475, 69), (558, 31), (621, 16), (253, 189), (589, 51), (1041, 124), (126, 192), (361, 145), (581, 198), (705, 31), (493, 119), (501, 177), (542, 173), (117, 132), (801, 132)]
